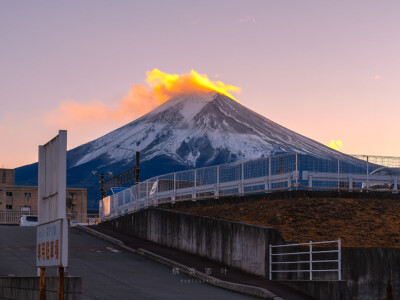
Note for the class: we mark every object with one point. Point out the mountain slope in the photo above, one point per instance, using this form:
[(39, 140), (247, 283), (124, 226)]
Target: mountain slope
[(194, 129), (185, 132)]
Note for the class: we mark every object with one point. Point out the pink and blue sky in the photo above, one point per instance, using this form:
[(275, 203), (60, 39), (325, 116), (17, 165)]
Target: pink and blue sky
[(329, 70)]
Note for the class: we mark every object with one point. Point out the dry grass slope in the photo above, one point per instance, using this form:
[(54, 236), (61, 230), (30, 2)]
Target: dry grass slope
[(358, 222)]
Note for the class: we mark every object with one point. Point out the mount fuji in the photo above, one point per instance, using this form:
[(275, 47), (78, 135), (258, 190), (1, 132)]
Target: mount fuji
[(188, 131)]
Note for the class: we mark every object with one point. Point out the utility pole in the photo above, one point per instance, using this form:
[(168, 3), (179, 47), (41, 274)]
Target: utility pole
[(127, 177), (102, 183)]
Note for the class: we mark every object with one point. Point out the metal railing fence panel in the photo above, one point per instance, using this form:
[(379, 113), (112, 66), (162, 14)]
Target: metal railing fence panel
[(166, 182), (230, 172), (255, 168), (13, 217), (206, 176), (282, 172), (185, 179), (387, 161), (308, 257)]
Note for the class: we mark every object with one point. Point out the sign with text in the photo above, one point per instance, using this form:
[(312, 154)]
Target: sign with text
[(52, 229), (48, 244)]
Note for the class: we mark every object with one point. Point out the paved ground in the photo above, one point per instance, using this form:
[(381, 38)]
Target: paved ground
[(108, 272), (218, 270)]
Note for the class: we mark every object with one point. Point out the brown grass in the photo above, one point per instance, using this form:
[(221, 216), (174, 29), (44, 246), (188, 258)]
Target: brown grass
[(358, 222)]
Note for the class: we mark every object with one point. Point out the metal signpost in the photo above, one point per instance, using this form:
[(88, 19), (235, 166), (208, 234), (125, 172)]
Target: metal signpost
[(52, 229)]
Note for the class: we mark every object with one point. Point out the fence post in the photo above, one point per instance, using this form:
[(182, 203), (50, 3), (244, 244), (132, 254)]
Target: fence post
[(242, 178), (269, 174), (297, 172), (194, 193), (158, 184), (338, 174), (270, 262), (137, 194), (266, 176), (311, 260), (339, 259), (367, 174), (217, 191), (350, 183), (174, 192)]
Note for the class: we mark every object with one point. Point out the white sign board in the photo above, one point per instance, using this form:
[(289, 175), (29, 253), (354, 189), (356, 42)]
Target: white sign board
[(48, 244), (52, 189), (52, 179)]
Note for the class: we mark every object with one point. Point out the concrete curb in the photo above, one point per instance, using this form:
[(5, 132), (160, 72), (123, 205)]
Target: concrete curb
[(102, 236), (241, 288)]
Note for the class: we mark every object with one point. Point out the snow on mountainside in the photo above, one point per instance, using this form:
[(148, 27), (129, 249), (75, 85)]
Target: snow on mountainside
[(195, 130), (185, 132)]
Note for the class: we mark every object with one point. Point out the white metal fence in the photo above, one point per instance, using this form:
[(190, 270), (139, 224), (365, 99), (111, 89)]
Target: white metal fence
[(305, 259), (82, 218), (274, 173), (387, 161), (13, 217)]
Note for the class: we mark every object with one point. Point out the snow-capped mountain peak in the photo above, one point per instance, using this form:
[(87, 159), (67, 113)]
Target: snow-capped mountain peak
[(188, 131), (197, 130)]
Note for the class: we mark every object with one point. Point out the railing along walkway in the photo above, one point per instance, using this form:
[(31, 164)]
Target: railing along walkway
[(310, 253)]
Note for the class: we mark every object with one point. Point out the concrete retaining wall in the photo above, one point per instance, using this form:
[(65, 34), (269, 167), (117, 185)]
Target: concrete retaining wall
[(365, 274), (234, 244), (324, 290), (16, 288), (369, 270), (365, 271)]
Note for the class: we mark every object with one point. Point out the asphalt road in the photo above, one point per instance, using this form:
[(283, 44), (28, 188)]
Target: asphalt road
[(107, 272)]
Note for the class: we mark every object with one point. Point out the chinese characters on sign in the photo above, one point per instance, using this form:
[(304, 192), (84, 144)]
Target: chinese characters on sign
[(46, 253), (48, 244)]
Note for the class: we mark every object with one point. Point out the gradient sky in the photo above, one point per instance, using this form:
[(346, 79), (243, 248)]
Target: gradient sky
[(325, 69)]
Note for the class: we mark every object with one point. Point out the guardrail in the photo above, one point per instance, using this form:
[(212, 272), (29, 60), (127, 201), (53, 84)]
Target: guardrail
[(309, 262), (265, 175)]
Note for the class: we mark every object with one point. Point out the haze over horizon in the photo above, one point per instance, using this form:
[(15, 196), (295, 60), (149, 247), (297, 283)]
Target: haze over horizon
[(328, 71)]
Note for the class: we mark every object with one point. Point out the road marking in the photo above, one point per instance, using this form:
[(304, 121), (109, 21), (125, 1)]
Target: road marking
[(113, 250)]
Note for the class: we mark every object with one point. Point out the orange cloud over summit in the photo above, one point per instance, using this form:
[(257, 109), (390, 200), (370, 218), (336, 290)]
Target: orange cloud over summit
[(140, 100), (166, 86)]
